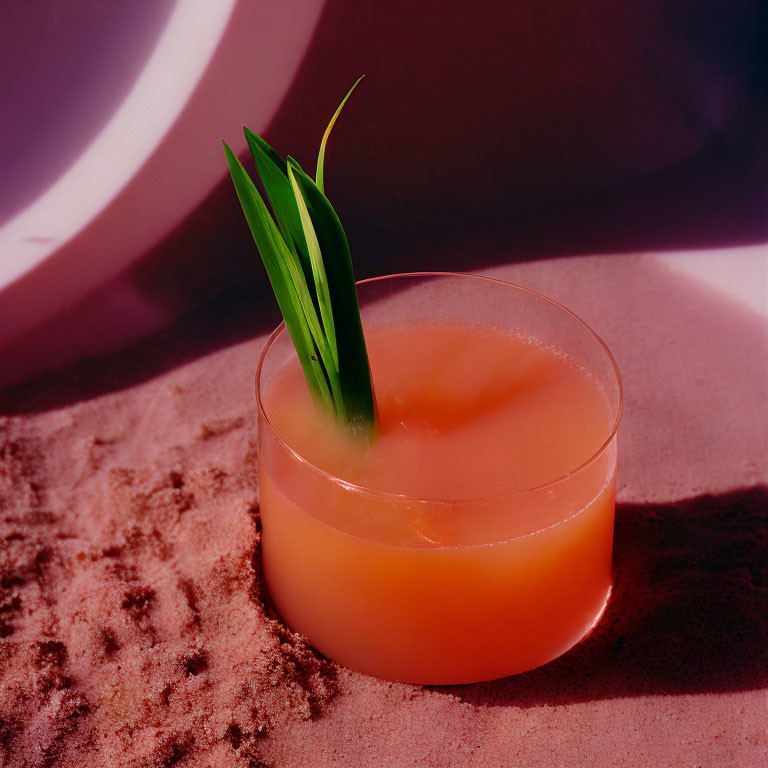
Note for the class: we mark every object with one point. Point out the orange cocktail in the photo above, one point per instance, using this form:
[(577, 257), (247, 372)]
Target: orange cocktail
[(472, 539)]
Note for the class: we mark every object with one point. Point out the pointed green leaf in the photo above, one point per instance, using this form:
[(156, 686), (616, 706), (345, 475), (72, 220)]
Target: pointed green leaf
[(318, 268), (307, 303), (273, 252), (294, 162), (321, 153), (354, 369), (272, 154), (272, 170)]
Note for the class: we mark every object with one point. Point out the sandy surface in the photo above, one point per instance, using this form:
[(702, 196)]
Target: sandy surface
[(133, 626)]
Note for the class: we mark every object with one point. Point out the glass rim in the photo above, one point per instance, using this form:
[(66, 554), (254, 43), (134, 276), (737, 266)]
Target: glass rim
[(434, 500)]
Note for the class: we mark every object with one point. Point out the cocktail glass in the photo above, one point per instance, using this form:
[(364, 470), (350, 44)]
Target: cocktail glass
[(443, 590)]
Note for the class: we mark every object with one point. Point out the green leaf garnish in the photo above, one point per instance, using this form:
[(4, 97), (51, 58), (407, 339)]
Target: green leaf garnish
[(321, 153), (272, 170), (318, 268), (306, 255), (272, 247)]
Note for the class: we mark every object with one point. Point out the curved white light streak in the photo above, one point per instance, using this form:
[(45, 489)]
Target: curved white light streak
[(168, 79)]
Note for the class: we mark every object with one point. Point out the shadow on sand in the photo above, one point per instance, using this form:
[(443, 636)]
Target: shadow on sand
[(687, 614)]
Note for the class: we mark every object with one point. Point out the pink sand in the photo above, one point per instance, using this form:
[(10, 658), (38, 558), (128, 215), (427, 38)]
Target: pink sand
[(133, 627)]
